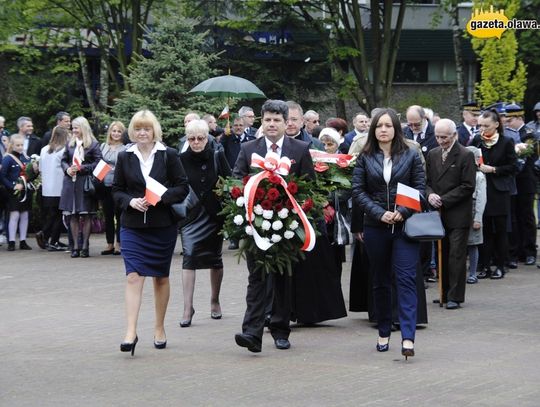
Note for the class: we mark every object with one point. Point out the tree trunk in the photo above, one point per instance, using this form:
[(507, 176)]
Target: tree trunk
[(103, 83), (456, 39), (86, 79)]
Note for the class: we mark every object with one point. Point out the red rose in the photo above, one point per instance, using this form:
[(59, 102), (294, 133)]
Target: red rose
[(329, 213), (320, 167), (288, 204), (246, 179), (342, 162), (259, 193), (278, 206), (274, 179), (292, 187), (266, 205), (236, 192), (308, 205), (272, 194)]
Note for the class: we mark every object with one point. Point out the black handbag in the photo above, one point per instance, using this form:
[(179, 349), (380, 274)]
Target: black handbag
[(88, 186), (180, 210), (424, 227)]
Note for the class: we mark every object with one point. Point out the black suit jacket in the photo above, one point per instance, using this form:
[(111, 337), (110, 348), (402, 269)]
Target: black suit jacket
[(427, 141), (526, 179), (129, 183), (502, 156), (34, 145), (296, 150), (463, 135), (454, 181)]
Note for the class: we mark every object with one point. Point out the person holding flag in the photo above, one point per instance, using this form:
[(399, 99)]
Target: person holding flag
[(80, 158), (387, 161), (148, 178)]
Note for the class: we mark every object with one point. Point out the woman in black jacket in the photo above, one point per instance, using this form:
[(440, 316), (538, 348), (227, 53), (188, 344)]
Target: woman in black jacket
[(385, 162), (201, 241), (148, 233)]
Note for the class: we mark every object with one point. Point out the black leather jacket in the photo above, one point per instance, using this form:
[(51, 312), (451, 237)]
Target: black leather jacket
[(370, 191)]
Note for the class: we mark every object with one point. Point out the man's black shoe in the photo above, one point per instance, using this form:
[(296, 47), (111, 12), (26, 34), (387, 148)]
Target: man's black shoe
[(530, 260), (497, 274), (248, 341), (40, 239), (483, 274), (282, 343), (512, 264)]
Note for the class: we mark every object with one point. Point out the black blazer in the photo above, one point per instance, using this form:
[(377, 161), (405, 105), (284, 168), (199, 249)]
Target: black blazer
[(427, 141), (129, 183), (454, 181), (503, 157), (296, 150), (34, 145), (526, 178), (463, 135)]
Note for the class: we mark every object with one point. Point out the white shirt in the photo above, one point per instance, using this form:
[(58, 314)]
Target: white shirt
[(387, 169), (279, 144), (146, 166), (52, 175)]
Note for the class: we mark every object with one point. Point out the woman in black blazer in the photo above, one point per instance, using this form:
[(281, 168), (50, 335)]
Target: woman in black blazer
[(499, 167), (148, 233)]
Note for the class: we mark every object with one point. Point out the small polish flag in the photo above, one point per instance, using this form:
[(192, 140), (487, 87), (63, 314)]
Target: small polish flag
[(78, 158), (154, 191), (408, 197), (101, 170), (480, 157), (225, 113)]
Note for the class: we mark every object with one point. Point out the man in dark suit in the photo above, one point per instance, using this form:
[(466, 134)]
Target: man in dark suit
[(361, 127), (420, 129), (451, 179), (468, 130), (62, 119), (295, 124), (32, 143), (247, 114), (274, 122)]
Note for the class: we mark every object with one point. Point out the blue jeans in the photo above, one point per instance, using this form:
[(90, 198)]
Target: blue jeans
[(393, 254)]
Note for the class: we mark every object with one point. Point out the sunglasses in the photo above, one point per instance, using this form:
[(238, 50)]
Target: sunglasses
[(198, 138)]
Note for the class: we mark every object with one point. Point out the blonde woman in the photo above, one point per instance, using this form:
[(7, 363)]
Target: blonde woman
[(109, 150), (80, 158)]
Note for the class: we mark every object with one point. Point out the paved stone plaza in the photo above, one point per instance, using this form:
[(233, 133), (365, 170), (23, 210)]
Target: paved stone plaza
[(62, 320)]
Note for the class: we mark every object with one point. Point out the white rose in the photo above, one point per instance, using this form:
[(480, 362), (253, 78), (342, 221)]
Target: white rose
[(277, 225), (238, 220), (249, 230), (258, 209), (275, 238), (266, 225), (293, 225), (283, 213), (288, 234), (268, 214), (252, 217), (240, 201)]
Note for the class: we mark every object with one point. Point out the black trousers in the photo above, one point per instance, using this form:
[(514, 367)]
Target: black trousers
[(52, 219), (256, 300), (454, 264), (523, 235), (112, 229), (495, 247)]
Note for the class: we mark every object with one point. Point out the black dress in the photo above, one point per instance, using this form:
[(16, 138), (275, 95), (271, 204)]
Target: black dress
[(201, 241)]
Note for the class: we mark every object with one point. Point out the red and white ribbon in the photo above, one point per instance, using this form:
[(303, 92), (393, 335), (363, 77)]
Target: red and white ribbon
[(272, 163), (321, 156)]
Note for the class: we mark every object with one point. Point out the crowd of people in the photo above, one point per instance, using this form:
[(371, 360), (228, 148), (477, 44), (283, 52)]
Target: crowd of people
[(481, 175)]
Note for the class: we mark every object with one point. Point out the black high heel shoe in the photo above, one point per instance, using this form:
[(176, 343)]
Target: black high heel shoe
[(407, 352), (383, 348), (129, 346), (160, 344), (187, 322)]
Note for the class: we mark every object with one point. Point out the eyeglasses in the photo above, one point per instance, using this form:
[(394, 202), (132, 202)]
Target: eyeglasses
[(314, 120), (419, 124), (198, 138)]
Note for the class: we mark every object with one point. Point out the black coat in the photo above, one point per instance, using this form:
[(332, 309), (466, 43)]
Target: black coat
[(526, 178), (463, 135), (372, 194), (129, 183), (502, 156), (34, 145)]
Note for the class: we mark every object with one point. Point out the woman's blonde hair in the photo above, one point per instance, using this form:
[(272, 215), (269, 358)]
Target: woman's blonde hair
[(86, 132), (12, 139), (120, 126), (141, 119)]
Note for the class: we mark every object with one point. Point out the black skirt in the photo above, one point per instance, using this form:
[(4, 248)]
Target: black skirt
[(201, 243), (148, 251)]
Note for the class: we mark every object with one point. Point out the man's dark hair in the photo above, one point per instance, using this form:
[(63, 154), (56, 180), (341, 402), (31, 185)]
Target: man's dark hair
[(61, 115), (275, 106)]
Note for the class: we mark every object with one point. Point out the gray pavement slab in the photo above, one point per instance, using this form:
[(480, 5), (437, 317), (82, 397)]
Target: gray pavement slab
[(62, 319)]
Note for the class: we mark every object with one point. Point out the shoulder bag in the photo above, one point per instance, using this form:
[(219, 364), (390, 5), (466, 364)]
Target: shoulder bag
[(424, 226)]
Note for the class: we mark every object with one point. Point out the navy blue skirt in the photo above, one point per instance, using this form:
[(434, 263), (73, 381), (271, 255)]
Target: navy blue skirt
[(148, 251)]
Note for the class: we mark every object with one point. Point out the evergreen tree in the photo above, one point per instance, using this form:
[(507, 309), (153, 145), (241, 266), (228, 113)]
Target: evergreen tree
[(503, 78), (161, 83)]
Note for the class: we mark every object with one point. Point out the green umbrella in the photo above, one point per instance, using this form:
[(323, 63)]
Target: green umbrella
[(228, 86)]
